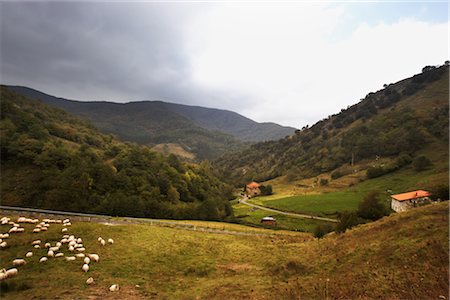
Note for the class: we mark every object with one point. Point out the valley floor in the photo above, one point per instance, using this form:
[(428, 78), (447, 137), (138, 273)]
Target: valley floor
[(403, 256)]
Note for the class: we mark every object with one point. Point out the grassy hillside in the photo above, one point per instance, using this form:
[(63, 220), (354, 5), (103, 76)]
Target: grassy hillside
[(52, 160), (205, 132), (385, 131), (403, 256)]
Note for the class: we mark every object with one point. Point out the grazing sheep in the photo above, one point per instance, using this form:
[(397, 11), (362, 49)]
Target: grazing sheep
[(43, 259), (58, 244), (64, 230), (13, 230), (43, 228), (102, 242), (47, 245), (50, 253), (71, 248), (70, 258), (66, 221), (19, 262), (94, 257), (2, 275), (63, 241), (99, 238), (72, 243), (36, 230), (79, 241), (29, 254), (80, 255), (87, 260), (54, 249), (66, 236), (79, 246), (20, 229), (111, 241), (36, 242), (37, 246), (59, 254), (114, 288), (85, 267), (3, 244), (90, 280), (5, 236), (11, 273), (81, 249)]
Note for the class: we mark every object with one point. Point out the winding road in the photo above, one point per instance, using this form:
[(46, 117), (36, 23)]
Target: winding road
[(244, 201)]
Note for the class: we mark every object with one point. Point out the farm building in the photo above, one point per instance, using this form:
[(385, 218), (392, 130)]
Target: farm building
[(252, 189), (406, 201), (269, 221)]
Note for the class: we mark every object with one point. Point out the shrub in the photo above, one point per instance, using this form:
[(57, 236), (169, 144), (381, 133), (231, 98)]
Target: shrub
[(322, 230), (371, 208), (347, 220), (373, 172), (440, 192), (421, 163), (323, 181), (266, 190)]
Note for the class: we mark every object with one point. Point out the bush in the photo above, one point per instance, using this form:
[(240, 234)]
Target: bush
[(347, 220), (440, 192), (322, 230), (371, 208), (421, 163), (323, 181), (373, 172), (266, 190)]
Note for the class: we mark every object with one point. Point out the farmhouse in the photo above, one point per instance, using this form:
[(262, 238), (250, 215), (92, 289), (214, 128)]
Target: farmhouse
[(269, 221), (252, 189), (406, 201)]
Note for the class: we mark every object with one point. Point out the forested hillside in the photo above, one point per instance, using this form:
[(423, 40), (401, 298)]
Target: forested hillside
[(205, 132), (395, 122), (53, 160)]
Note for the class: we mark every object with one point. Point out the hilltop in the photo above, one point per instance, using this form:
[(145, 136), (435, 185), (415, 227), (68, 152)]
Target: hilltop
[(403, 256), (53, 160), (385, 131), (205, 132)]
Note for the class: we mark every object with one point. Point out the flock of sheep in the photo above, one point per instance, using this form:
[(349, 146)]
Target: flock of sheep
[(73, 244)]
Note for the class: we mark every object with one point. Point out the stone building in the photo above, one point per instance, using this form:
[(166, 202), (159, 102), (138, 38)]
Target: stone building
[(406, 201)]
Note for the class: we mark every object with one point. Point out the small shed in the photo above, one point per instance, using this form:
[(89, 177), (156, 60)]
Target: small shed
[(253, 189), (406, 201), (271, 221)]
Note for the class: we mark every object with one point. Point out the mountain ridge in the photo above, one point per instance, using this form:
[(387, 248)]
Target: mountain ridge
[(207, 132)]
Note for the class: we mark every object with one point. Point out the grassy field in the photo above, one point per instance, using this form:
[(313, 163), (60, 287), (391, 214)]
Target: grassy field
[(247, 215), (401, 256), (327, 201)]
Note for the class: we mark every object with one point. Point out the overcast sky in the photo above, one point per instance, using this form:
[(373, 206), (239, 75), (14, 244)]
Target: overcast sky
[(285, 62)]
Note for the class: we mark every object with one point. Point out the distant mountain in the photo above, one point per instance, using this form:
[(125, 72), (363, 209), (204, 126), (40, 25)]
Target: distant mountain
[(401, 122), (53, 160), (205, 132)]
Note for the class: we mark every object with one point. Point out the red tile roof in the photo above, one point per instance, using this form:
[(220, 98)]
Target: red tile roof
[(253, 185), (411, 195)]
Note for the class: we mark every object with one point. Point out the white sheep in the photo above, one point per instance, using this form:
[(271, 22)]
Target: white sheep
[(13, 230), (59, 254), (85, 267), (47, 245), (36, 230), (114, 288), (81, 249), (80, 255), (87, 260), (20, 229), (99, 238), (66, 221), (54, 249), (36, 242), (72, 243), (11, 273), (94, 257), (79, 241), (64, 230), (3, 244), (58, 244), (70, 258), (102, 242), (43, 259), (90, 280), (71, 248), (19, 262), (111, 241), (66, 236), (29, 254), (50, 253), (37, 246)]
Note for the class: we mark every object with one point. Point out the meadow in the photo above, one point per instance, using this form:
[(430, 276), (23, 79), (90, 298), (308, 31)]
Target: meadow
[(403, 256)]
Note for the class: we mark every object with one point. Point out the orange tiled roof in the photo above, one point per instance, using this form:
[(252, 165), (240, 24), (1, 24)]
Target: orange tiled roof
[(411, 195), (253, 185)]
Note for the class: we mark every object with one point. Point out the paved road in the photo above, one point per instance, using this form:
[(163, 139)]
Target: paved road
[(244, 201)]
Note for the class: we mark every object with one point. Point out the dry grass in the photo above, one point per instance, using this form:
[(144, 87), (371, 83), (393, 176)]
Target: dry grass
[(401, 256)]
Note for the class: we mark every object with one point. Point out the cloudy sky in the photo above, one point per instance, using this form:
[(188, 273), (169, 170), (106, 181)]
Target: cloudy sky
[(293, 63)]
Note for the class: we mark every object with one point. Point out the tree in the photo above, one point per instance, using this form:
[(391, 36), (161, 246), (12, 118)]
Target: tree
[(421, 163), (347, 220), (371, 208)]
